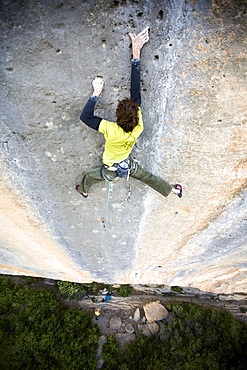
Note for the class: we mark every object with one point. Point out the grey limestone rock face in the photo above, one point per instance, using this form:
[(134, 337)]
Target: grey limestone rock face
[(193, 73)]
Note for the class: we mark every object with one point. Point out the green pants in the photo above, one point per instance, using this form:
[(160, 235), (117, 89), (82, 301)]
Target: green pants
[(94, 176)]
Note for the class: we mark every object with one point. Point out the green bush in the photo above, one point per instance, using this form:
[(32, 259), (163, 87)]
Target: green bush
[(94, 288), (125, 290), (177, 289), (197, 338), (71, 290), (31, 279), (111, 354), (37, 332)]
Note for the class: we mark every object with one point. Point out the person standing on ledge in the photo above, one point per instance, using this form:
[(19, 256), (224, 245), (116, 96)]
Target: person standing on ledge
[(121, 136)]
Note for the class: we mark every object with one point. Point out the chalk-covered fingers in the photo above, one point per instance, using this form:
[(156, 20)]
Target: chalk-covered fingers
[(138, 41), (132, 36), (144, 36), (98, 84)]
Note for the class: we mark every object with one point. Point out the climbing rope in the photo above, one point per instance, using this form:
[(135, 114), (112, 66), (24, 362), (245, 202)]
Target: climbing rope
[(110, 187), (104, 221)]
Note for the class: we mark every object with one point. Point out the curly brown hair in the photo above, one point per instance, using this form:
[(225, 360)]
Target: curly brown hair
[(126, 113)]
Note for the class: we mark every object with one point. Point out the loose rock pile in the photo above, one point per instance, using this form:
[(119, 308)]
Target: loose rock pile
[(149, 320)]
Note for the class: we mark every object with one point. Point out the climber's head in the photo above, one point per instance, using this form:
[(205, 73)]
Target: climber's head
[(127, 114)]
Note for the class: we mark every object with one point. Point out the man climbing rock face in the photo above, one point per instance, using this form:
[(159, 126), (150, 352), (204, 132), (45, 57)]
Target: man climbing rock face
[(121, 135)]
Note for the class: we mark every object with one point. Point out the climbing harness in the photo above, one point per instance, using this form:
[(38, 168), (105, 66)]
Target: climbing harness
[(104, 175), (124, 169)]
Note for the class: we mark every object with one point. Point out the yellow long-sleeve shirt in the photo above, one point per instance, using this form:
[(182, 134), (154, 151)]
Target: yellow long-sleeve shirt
[(119, 144)]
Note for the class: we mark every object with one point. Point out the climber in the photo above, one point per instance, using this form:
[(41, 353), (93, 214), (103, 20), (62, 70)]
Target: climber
[(121, 136)]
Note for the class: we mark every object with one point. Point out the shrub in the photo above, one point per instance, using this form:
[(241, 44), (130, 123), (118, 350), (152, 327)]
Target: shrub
[(95, 288), (125, 290), (71, 290), (111, 354), (176, 289), (197, 338), (31, 279), (37, 332)]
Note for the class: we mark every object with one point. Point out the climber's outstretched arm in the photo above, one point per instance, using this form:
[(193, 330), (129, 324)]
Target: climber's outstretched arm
[(135, 84), (87, 116), (137, 44)]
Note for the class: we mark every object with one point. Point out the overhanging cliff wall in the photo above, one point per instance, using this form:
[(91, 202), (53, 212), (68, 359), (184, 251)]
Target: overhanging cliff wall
[(194, 88)]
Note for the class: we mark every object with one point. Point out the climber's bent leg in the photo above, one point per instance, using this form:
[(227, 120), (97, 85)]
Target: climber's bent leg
[(92, 177), (155, 182), (89, 178)]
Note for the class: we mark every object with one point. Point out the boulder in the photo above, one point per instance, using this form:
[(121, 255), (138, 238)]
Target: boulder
[(155, 311), (115, 323), (145, 330), (129, 328), (153, 327), (169, 318), (162, 327), (144, 320), (137, 315)]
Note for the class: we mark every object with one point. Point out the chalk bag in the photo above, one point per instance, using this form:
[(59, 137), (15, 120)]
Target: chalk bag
[(123, 169)]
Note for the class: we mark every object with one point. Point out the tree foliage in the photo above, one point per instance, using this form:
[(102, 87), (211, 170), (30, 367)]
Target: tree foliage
[(125, 290), (71, 290), (197, 338), (37, 332)]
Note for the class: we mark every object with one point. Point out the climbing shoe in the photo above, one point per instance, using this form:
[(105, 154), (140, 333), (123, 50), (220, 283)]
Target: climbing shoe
[(84, 195), (178, 187)]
